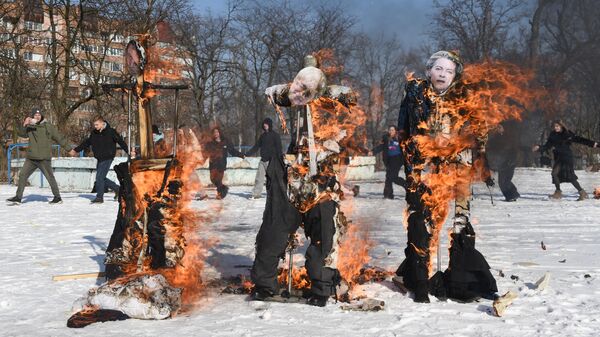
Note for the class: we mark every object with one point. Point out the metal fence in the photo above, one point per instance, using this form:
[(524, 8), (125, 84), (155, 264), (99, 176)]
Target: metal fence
[(18, 147)]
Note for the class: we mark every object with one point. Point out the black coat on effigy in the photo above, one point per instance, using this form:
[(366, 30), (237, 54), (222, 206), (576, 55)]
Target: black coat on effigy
[(560, 143), (280, 219), (468, 275)]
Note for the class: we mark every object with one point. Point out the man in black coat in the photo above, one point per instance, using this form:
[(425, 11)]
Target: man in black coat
[(392, 158), (218, 149), (269, 144), (103, 140)]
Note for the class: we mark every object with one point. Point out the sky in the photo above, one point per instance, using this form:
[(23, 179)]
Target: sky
[(407, 19)]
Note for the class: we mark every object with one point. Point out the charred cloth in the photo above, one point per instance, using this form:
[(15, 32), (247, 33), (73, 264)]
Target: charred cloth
[(137, 296)]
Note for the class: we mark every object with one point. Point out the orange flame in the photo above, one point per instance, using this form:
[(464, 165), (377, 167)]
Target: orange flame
[(330, 117), (181, 223), (300, 279), (163, 61), (328, 63), (490, 93), (353, 254)]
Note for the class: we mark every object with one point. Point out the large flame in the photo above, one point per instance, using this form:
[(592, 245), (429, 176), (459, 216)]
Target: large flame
[(353, 254), (493, 92), (329, 118), (182, 224)]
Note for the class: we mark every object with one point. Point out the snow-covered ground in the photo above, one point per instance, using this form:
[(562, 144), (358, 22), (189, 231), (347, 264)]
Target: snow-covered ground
[(38, 241)]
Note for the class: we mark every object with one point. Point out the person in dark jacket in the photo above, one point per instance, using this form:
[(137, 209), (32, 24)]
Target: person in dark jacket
[(218, 149), (392, 158), (269, 144), (560, 140), (41, 135), (502, 151), (103, 140)]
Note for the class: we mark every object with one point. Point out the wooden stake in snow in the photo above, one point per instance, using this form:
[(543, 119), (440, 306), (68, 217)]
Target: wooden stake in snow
[(502, 302), (542, 283), (77, 276)]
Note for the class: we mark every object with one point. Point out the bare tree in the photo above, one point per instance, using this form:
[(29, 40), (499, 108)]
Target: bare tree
[(379, 72), (479, 29), (571, 45), (205, 41), (20, 88)]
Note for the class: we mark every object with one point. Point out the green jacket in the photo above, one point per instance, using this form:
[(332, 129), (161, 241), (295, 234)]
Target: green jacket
[(41, 137)]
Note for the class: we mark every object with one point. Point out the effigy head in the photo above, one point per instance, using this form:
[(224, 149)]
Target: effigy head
[(443, 68), (309, 84)]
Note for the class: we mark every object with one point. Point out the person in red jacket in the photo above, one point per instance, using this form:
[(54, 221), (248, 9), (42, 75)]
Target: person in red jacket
[(218, 149)]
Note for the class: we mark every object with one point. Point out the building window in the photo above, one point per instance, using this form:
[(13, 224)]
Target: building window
[(30, 25), (119, 38), (29, 56), (113, 66), (6, 36), (84, 79), (6, 24), (115, 52), (7, 53), (73, 76), (89, 64), (89, 48), (117, 67)]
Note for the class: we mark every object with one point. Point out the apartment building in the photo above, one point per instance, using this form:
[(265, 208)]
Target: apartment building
[(89, 46)]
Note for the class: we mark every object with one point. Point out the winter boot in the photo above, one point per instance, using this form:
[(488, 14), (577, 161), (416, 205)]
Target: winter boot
[(223, 192), (260, 295), (421, 292), (56, 200), (582, 195), (356, 190), (97, 201), (557, 195), (14, 200), (318, 300)]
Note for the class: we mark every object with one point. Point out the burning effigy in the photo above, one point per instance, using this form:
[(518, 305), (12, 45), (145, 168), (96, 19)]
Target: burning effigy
[(306, 190), (154, 257), (444, 120)]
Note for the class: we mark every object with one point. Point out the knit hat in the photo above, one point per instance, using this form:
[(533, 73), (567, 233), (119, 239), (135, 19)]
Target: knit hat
[(35, 111)]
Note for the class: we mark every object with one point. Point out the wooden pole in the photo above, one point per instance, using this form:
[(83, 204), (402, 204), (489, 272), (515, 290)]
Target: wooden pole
[(145, 120), (312, 150), (77, 276)]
